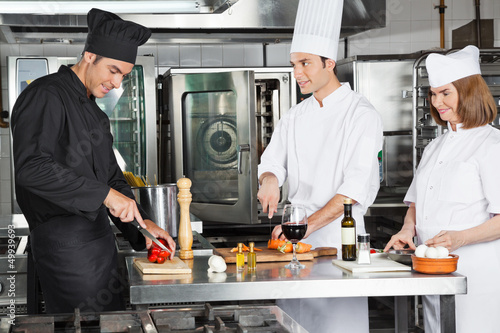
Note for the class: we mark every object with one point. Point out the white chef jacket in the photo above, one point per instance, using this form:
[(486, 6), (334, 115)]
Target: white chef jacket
[(324, 151), (328, 150), (457, 187)]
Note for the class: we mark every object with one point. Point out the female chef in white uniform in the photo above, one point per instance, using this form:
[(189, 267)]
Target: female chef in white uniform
[(454, 199)]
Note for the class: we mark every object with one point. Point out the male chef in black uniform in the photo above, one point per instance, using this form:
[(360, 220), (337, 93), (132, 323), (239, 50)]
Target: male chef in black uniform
[(67, 179)]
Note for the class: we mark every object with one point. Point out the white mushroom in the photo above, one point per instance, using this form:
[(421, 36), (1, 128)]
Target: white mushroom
[(420, 251), (442, 252), (216, 264), (431, 252)]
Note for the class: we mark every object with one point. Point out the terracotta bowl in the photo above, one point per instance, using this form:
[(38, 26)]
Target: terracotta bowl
[(435, 266)]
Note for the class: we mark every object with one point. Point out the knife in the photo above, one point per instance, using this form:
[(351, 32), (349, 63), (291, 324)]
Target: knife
[(146, 233)]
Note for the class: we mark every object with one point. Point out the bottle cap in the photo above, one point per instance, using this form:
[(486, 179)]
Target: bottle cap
[(348, 201), (364, 238), (240, 247), (251, 246)]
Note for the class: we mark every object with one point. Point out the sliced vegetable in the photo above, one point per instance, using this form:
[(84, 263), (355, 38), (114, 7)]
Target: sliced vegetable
[(275, 243), (287, 247), (302, 247), (156, 254)]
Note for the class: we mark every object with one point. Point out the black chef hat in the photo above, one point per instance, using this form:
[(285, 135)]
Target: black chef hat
[(111, 37)]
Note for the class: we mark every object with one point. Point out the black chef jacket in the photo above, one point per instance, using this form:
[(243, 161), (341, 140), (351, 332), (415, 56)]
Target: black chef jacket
[(64, 167)]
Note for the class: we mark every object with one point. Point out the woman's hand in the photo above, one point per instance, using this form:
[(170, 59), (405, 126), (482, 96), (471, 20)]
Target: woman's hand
[(400, 240), (450, 239)]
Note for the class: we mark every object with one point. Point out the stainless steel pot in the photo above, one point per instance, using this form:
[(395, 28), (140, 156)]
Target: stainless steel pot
[(160, 202)]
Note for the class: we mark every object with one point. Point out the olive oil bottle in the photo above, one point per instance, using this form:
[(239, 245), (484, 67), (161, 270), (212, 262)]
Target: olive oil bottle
[(251, 257), (240, 258), (348, 233)]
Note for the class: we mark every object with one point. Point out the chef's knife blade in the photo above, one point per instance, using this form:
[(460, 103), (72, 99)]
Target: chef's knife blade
[(146, 233)]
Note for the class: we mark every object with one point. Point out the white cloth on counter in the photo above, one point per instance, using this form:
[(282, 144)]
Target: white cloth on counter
[(324, 151), (456, 187)]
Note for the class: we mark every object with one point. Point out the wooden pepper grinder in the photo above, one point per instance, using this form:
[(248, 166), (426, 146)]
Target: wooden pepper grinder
[(185, 236)]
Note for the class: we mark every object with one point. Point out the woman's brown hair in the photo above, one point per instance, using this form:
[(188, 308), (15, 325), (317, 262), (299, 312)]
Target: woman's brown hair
[(476, 105)]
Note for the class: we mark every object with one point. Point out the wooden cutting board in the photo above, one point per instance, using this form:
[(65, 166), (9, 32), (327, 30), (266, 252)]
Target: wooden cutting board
[(378, 264), (174, 266), (268, 255)]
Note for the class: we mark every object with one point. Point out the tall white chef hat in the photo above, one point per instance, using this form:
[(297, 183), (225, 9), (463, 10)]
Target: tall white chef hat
[(444, 69), (317, 27)]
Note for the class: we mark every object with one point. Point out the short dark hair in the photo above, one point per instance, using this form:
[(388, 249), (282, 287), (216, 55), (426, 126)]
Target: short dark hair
[(97, 58), (323, 60), (476, 105)]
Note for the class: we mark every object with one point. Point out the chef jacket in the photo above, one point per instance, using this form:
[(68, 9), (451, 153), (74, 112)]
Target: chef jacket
[(328, 150), (456, 187), (63, 156), (324, 151)]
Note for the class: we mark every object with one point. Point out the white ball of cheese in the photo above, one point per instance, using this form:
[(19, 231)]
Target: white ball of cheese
[(442, 252), (420, 251), (431, 252)]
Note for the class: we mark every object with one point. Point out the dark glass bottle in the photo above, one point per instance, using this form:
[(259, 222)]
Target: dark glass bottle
[(348, 233)]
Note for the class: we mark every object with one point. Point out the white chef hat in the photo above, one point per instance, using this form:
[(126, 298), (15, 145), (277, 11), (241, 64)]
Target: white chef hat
[(444, 69), (317, 27)]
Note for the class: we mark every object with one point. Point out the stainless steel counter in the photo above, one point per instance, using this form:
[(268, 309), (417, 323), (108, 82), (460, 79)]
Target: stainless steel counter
[(319, 279)]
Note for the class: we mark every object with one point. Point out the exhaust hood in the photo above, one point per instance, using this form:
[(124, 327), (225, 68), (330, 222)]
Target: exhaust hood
[(176, 21)]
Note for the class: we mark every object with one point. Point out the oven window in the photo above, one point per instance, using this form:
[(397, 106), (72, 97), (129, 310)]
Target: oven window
[(210, 146)]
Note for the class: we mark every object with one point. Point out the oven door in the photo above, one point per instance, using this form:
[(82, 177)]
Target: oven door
[(213, 132)]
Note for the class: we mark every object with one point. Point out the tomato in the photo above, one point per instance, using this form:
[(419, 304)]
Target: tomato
[(154, 250), (160, 260), (373, 251), (156, 254)]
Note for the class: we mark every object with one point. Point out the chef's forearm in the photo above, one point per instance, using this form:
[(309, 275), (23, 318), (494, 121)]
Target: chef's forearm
[(410, 219), (329, 213), (486, 232), (267, 176)]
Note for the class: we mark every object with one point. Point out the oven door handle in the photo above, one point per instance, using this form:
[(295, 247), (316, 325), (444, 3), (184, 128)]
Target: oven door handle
[(241, 149)]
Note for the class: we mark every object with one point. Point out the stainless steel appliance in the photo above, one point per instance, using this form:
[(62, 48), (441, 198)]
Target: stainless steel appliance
[(425, 128), (132, 113), (160, 202), (13, 265), (220, 122), (197, 318), (386, 81), (130, 108)]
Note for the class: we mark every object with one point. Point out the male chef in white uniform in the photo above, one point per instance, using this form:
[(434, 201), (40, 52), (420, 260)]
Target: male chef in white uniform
[(327, 147)]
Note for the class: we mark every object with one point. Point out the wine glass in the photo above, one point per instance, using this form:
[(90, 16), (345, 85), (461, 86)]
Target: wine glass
[(294, 227)]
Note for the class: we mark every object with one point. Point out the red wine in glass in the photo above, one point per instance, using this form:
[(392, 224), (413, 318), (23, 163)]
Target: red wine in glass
[(294, 232), (294, 227)]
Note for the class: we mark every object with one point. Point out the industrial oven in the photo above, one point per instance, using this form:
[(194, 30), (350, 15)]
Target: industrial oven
[(220, 122)]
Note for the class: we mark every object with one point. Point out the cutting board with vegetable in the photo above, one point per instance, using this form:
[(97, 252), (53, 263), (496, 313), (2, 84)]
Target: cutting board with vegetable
[(174, 266), (269, 255)]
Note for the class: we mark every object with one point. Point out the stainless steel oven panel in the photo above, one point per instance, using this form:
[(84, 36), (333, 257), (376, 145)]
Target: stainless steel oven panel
[(13, 283), (387, 81), (212, 123)]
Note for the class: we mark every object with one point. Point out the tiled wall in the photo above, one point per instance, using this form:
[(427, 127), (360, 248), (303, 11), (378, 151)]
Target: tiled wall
[(412, 25)]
